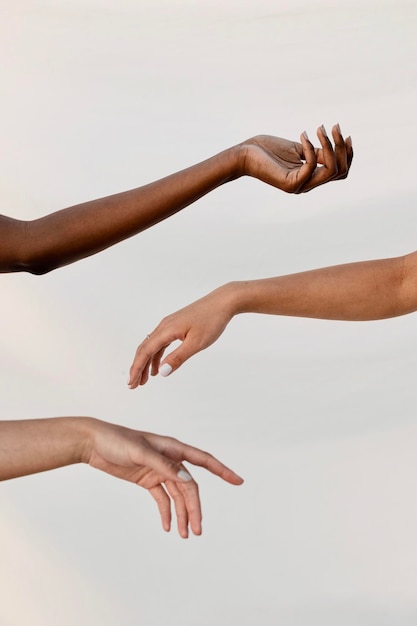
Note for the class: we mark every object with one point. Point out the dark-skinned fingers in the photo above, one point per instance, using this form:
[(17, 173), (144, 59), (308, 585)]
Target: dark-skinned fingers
[(320, 160), (328, 171), (340, 152), (297, 179), (329, 157), (163, 502), (349, 152)]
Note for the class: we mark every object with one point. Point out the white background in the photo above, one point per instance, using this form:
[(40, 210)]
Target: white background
[(319, 417)]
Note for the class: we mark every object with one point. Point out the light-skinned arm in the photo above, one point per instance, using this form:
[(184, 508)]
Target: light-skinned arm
[(63, 237), (151, 461), (368, 290)]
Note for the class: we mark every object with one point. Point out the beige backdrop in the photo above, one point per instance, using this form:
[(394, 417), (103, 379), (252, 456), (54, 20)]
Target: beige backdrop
[(319, 417)]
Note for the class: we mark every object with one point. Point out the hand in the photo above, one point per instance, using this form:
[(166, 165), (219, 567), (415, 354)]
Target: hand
[(292, 166), (197, 326), (155, 463)]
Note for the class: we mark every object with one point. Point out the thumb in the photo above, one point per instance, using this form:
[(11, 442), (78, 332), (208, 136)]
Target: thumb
[(176, 359)]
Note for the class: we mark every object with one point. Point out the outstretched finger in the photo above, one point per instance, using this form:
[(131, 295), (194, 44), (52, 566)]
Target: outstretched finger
[(200, 458)]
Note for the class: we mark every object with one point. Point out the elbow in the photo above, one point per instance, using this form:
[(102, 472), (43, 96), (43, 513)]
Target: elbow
[(37, 267), (25, 249), (32, 265)]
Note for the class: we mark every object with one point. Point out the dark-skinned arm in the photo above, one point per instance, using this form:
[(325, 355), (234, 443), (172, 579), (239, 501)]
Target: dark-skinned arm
[(68, 235)]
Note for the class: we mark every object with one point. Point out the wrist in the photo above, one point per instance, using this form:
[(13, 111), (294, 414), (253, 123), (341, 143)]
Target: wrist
[(232, 296), (238, 297), (237, 161), (85, 427), (246, 155)]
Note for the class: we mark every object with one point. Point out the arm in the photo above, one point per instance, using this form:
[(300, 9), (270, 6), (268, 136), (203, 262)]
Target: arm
[(151, 461), (368, 290), (65, 236)]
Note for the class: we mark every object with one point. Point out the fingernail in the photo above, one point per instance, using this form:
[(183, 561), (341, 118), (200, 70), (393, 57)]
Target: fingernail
[(165, 369), (338, 128), (184, 476), (305, 135), (323, 129)]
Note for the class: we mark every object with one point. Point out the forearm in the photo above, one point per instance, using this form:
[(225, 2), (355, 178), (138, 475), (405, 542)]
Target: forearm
[(31, 446), (358, 291), (85, 229)]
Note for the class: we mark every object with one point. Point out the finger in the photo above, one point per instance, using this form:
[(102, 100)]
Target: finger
[(140, 362), (180, 508), (320, 156), (308, 151), (143, 357), (328, 170), (161, 498), (177, 357), (299, 177), (349, 154), (162, 465), (198, 457), (144, 376), (191, 497), (340, 152), (156, 360), (329, 157), (349, 150)]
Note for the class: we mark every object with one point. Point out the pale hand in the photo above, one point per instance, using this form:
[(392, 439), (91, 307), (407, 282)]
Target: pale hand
[(155, 463), (197, 326)]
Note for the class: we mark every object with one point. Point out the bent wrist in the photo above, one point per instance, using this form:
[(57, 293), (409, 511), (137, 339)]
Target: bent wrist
[(233, 297), (86, 428), (240, 296), (234, 160)]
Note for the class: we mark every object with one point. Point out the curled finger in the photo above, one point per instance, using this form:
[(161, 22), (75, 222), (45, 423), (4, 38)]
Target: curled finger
[(139, 370), (328, 170), (340, 152), (297, 178)]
